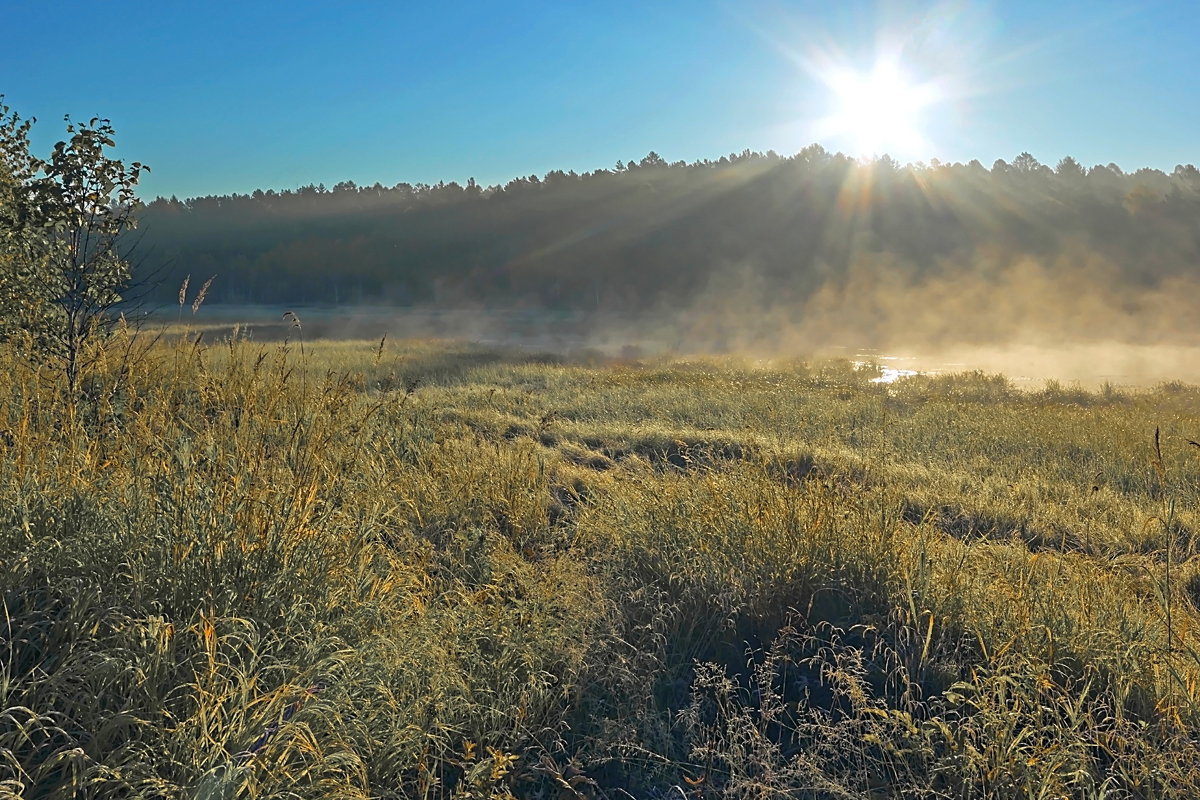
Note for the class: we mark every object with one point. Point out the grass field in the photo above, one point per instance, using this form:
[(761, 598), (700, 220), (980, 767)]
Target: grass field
[(429, 569)]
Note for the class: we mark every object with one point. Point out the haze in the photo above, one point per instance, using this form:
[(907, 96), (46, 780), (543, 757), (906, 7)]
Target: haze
[(915, 180)]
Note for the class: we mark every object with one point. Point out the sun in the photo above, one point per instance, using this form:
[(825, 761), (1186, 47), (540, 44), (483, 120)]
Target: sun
[(881, 111)]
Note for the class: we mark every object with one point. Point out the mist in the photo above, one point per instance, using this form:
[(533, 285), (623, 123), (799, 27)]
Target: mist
[(1069, 272)]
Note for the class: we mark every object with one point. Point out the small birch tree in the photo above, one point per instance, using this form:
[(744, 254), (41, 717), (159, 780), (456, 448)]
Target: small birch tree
[(63, 221)]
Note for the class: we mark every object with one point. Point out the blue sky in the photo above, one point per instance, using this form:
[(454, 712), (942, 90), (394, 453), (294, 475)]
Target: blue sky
[(221, 97)]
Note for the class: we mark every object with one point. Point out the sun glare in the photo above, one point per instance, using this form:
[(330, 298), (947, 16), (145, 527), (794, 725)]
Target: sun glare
[(877, 112)]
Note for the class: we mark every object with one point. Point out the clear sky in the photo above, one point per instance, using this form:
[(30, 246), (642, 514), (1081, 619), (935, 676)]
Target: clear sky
[(221, 97)]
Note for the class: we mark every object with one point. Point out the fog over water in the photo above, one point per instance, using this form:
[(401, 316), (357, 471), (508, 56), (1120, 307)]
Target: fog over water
[(1071, 273), (895, 338)]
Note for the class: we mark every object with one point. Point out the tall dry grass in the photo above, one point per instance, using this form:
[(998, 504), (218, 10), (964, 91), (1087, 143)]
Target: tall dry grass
[(424, 569)]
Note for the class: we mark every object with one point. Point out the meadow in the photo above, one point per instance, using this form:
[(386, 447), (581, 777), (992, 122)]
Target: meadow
[(420, 568)]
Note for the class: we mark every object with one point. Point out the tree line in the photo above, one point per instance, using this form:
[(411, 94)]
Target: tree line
[(641, 236), (647, 233)]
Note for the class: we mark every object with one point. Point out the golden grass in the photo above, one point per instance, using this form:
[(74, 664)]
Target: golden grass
[(429, 569)]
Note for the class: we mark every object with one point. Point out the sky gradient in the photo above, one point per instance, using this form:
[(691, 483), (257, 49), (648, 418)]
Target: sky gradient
[(223, 97)]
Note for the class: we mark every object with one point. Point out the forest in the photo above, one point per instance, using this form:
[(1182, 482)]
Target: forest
[(815, 232)]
